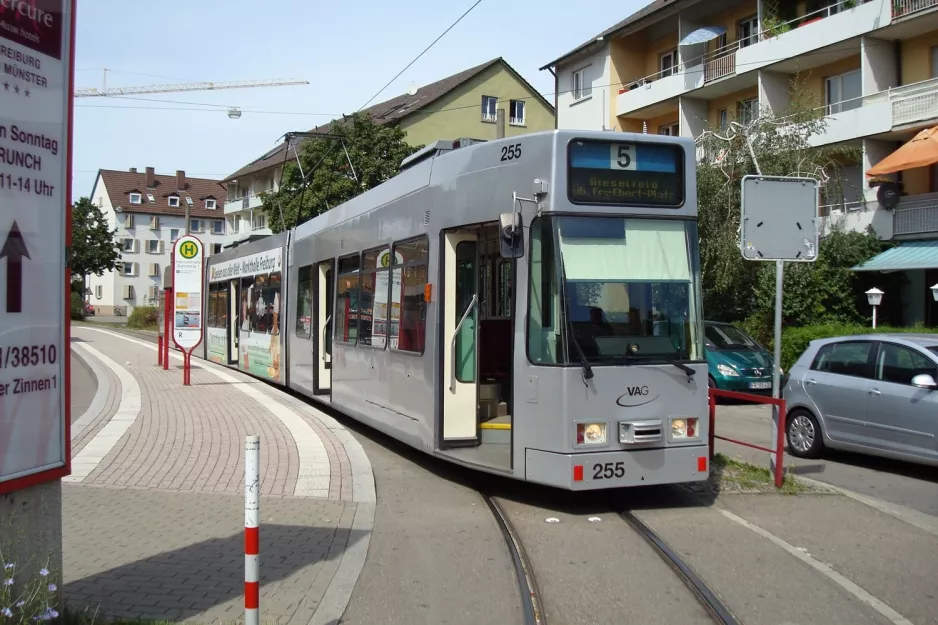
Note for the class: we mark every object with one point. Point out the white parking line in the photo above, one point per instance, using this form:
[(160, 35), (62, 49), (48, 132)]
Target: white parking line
[(104, 441), (837, 578)]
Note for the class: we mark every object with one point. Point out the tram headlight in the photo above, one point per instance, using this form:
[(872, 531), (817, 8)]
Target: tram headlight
[(590, 433), (684, 427)]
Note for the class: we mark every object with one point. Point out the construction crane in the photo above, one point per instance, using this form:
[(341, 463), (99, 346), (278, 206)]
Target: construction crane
[(190, 86)]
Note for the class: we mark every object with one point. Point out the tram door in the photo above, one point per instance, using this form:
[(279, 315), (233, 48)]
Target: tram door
[(233, 297), (460, 330), (324, 296)]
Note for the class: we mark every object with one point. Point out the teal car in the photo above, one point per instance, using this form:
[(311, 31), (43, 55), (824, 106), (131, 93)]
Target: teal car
[(735, 361)]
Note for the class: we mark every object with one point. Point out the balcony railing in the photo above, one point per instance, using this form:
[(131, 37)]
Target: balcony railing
[(903, 8), (916, 214), (771, 28), (720, 63), (914, 103)]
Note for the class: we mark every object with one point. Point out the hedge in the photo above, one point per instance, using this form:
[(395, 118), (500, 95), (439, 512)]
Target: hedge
[(77, 306), (144, 318), (796, 340)]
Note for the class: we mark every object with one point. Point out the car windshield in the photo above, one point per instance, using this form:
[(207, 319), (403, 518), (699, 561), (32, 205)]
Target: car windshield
[(728, 337), (613, 290)]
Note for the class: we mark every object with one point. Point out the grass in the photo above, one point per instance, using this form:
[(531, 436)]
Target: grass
[(741, 476)]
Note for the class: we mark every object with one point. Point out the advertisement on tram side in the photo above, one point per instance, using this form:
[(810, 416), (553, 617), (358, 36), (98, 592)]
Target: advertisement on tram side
[(259, 281), (218, 345)]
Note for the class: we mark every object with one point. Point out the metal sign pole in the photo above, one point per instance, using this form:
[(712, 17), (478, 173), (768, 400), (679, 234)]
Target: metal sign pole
[(777, 359)]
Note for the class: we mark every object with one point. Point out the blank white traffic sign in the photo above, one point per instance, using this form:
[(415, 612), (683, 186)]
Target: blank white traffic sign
[(779, 218), (36, 47)]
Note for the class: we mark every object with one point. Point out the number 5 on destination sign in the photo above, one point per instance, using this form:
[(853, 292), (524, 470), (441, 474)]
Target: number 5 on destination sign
[(622, 156)]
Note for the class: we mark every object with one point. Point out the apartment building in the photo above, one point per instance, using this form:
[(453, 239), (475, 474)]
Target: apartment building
[(462, 105), (871, 66), (149, 212)]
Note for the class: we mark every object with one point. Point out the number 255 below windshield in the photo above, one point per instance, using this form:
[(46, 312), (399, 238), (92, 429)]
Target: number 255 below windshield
[(613, 290)]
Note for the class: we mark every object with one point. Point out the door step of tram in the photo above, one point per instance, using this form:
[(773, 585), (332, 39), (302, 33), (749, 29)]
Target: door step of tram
[(497, 430)]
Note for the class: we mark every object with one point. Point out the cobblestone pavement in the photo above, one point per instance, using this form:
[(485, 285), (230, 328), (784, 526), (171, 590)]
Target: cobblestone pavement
[(154, 508)]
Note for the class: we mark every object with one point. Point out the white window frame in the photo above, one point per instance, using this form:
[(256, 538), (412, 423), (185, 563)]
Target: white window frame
[(834, 88), (581, 88), (98, 291), (745, 40), (513, 117), (487, 116), (667, 63), (124, 271), (154, 244), (124, 246), (752, 106), (218, 227), (210, 204), (136, 198), (195, 225), (172, 237), (170, 200)]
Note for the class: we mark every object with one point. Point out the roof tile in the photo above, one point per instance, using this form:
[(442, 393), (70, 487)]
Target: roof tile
[(120, 184)]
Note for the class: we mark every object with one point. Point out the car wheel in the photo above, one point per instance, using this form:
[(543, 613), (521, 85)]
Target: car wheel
[(711, 382), (804, 434)]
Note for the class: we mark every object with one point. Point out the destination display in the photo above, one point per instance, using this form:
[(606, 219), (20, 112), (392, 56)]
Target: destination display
[(625, 174)]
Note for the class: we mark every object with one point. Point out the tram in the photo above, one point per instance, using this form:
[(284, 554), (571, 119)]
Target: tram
[(529, 306)]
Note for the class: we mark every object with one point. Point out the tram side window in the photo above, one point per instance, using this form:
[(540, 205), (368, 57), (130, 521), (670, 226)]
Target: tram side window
[(247, 304), (408, 325), (221, 306), (304, 302), (212, 296), (272, 301), (373, 298), (346, 300), (259, 320), (545, 345)]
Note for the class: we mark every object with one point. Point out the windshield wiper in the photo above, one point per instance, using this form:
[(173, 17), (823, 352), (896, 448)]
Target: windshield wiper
[(687, 370), (584, 362)]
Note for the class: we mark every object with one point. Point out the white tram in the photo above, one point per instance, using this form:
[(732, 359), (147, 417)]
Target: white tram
[(529, 306)]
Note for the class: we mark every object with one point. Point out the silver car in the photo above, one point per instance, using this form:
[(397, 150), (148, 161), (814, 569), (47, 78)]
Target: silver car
[(873, 393)]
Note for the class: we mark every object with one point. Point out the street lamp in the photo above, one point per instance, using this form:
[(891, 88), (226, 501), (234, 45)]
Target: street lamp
[(234, 112), (934, 291), (874, 296)]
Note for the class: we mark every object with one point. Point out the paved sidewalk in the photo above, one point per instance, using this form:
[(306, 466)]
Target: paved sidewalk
[(154, 508)]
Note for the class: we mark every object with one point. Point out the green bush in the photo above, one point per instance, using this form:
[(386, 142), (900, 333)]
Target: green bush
[(144, 318), (77, 306), (796, 340)]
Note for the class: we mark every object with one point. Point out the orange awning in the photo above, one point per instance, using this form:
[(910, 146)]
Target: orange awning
[(921, 151)]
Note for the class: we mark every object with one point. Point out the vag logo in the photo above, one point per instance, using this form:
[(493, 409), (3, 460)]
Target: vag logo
[(636, 396)]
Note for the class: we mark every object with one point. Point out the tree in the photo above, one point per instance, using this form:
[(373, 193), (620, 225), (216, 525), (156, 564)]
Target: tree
[(375, 152), (781, 145), (94, 248)]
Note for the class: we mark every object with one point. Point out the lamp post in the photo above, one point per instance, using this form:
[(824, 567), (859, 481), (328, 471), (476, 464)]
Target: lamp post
[(874, 296)]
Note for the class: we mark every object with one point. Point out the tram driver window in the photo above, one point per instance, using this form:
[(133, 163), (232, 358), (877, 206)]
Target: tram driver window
[(346, 300), (408, 306)]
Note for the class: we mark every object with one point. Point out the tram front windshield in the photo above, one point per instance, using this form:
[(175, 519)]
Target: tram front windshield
[(613, 290)]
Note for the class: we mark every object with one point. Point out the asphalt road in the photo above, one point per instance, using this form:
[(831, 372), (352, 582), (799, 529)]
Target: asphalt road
[(906, 484)]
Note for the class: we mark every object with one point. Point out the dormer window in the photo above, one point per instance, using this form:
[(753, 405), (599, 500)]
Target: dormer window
[(135, 198), (210, 204), (174, 201)]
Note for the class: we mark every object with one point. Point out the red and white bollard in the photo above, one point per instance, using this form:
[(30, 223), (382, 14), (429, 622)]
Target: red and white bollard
[(252, 488)]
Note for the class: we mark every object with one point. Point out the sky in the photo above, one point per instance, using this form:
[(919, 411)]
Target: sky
[(346, 50)]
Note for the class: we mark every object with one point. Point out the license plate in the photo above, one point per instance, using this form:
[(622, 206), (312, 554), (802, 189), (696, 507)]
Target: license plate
[(760, 385)]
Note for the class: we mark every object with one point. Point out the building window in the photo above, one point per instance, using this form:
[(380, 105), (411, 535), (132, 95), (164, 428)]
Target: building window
[(581, 87), (668, 63), (843, 93), (127, 245), (135, 198), (99, 291), (195, 225), (218, 227), (127, 269), (516, 116), (173, 201), (488, 108), (671, 130), (216, 248), (748, 31), (173, 234), (748, 110), (153, 246), (723, 119), (210, 204), (260, 222)]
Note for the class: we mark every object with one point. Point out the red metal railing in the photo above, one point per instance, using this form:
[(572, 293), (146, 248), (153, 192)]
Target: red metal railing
[(779, 450)]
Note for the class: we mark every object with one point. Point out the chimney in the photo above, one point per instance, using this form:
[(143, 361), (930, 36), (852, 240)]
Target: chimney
[(133, 170), (151, 178), (180, 179)]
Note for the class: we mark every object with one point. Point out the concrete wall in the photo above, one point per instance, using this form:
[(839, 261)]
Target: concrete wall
[(693, 117), (774, 92), (878, 63), (916, 58), (590, 113), (459, 113), (31, 531)]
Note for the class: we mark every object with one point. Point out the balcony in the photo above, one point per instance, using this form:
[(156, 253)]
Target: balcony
[(814, 31), (905, 8), (916, 214), (248, 202), (658, 88), (720, 63), (915, 103)]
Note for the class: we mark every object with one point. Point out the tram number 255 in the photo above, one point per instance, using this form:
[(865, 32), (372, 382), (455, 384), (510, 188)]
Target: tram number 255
[(608, 470), (511, 152)]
